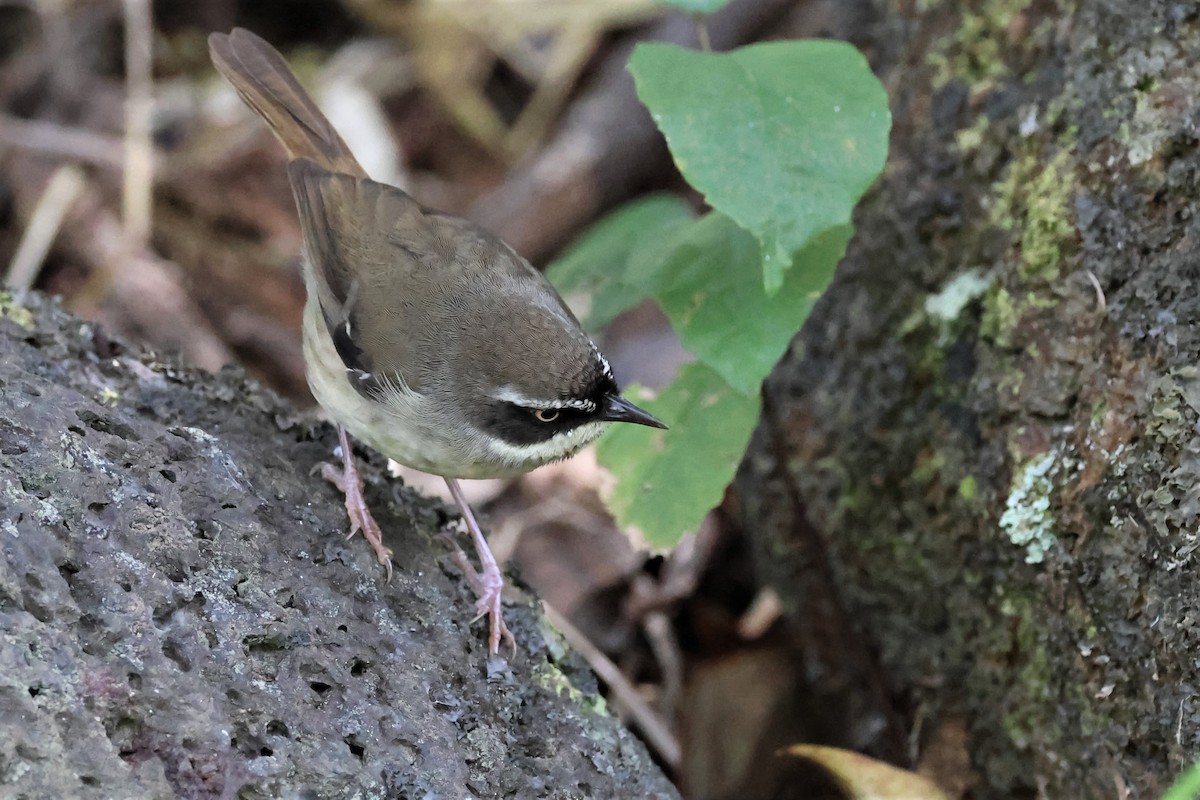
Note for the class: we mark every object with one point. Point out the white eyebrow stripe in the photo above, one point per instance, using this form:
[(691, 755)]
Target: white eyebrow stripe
[(509, 394), (603, 361)]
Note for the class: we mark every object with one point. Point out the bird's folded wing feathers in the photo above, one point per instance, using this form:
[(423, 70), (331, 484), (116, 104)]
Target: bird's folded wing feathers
[(367, 286), (399, 284)]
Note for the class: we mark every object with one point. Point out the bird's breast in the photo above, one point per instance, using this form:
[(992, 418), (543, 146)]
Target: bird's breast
[(410, 428)]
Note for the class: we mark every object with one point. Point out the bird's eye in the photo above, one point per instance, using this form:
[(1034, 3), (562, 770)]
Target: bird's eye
[(546, 414)]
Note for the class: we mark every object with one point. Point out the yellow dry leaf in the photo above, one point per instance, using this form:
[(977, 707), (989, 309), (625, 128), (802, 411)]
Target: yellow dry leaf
[(863, 778)]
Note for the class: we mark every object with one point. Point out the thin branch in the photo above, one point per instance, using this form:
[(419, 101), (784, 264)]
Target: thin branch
[(653, 727), (702, 36), (761, 615), (138, 186), (61, 192), (667, 652), (1101, 303), (73, 143)]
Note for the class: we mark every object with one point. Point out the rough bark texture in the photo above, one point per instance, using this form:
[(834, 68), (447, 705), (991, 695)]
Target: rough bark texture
[(977, 484), (181, 615)]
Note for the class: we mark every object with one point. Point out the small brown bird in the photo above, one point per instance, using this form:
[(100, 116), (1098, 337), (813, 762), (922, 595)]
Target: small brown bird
[(425, 336)]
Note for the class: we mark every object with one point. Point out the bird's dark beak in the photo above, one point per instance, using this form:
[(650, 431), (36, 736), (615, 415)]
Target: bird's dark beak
[(618, 409)]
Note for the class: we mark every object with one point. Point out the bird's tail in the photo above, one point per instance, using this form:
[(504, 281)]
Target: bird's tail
[(268, 85)]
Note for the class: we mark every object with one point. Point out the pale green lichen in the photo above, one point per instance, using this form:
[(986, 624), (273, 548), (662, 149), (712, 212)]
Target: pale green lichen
[(928, 467), (549, 676), (554, 640), (967, 488), (1155, 120), (942, 311), (1000, 317), (975, 53), (1171, 424), (11, 308), (948, 304), (1028, 719), (1035, 200), (1026, 518), (969, 139)]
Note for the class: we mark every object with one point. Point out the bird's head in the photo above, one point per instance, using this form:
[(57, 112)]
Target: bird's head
[(547, 392)]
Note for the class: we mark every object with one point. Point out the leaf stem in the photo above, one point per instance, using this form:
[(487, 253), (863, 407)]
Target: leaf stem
[(702, 36)]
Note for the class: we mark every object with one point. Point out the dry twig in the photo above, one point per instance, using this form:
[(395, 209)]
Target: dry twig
[(60, 194), (57, 140), (138, 188), (658, 734)]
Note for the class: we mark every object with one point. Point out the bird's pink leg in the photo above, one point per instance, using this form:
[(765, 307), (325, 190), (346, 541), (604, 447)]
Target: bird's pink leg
[(351, 485), (488, 582)]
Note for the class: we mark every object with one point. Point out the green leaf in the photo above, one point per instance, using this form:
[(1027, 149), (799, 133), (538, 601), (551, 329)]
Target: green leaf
[(670, 479), (709, 288), (613, 266), (696, 6), (1186, 786), (784, 137)]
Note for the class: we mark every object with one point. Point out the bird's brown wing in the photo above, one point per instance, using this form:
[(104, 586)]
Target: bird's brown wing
[(401, 286), (368, 288)]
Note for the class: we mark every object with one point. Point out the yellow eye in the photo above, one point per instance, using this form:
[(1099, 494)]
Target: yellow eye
[(546, 414)]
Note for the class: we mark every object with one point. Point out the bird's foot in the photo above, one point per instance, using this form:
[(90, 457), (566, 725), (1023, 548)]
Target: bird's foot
[(489, 587), (488, 582), (348, 480)]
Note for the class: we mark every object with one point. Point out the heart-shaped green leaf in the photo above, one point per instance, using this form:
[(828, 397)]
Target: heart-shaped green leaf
[(783, 137)]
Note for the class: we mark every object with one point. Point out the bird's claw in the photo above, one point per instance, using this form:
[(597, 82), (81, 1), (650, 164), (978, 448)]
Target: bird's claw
[(348, 481), (489, 587)]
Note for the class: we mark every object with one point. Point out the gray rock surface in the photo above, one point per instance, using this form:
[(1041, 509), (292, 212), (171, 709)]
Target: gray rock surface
[(182, 616)]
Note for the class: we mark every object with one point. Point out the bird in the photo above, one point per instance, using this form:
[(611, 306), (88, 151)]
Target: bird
[(425, 337)]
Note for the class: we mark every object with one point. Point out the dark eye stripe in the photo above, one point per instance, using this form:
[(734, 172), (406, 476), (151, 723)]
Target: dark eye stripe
[(518, 426)]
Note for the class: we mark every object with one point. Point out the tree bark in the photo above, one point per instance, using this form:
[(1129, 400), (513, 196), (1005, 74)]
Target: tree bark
[(977, 479), (181, 614)]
